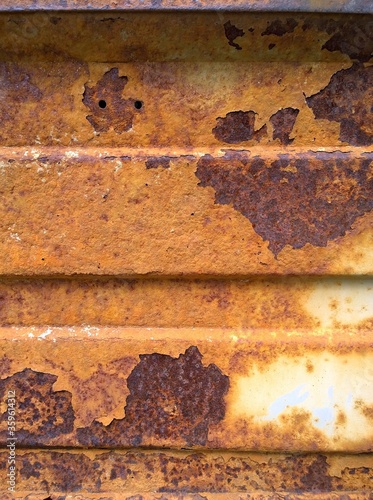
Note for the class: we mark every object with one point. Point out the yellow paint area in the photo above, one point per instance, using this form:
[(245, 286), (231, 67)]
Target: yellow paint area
[(341, 302)]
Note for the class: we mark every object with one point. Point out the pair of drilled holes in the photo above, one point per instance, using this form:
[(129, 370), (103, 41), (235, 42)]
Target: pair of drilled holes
[(102, 104)]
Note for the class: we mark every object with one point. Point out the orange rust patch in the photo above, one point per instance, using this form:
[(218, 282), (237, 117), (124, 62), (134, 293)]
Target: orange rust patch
[(366, 410), (309, 366), (341, 418)]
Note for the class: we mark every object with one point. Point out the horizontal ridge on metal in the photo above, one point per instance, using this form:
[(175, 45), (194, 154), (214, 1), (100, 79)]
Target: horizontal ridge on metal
[(330, 6)]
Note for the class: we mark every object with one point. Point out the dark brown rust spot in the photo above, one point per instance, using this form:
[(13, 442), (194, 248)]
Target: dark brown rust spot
[(170, 399), (171, 473), (16, 86), (5, 364), (317, 477), (283, 123), (42, 414), (238, 126), (280, 27), (231, 32), (350, 35), (16, 89), (108, 108), (293, 200), (158, 162), (67, 472), (348, 99)]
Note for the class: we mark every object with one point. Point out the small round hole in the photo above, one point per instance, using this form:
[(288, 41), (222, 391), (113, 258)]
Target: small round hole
[(138, 104), (102, 104)]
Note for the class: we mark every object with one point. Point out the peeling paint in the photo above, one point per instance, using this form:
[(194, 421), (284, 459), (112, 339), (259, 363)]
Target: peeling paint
[(108, 108), (169, 398), (232, 32), (238, 126), (293, 200), (347, 100), (280, 27), (42, 414), (283, 122)]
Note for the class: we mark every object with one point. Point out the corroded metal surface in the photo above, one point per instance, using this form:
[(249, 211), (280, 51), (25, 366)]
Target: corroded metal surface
[(216, 476), (163, 177), (356, 6), (199, 388), (320, 305), (97, 134), (236, 213)]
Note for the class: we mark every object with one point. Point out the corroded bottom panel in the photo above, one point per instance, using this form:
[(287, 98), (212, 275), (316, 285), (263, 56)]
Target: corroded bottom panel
[(196, 388), (163, 475)]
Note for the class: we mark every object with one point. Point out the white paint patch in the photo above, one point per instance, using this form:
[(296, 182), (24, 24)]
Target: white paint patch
[(343, 302), (35, 153), (325, 386), (15, 236), (45, 334), (71, 154)]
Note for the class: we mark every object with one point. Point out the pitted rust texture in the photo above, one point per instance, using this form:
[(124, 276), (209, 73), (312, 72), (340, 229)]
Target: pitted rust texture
[(66, 472), (109, 109), (350, 35), (283, 123), (158, 161), (280, 27), (293, 200), (42, 414), (232, 32), (238, 126), (170, 399), (347, 99), (16, 88)]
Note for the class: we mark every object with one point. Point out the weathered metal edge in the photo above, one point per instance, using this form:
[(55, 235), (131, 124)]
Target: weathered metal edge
[(327, 6)]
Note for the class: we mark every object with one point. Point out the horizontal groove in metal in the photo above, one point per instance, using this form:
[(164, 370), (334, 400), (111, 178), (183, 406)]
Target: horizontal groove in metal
[(216, 476), (319, 304), (331, 6), (194, 388), (172, 170)]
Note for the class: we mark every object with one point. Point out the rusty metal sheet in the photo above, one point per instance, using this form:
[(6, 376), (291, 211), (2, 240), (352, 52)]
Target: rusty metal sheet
[(320, 305), (186, 250), (217, 476), (93, 139), (356, 6), (198, 388), (236, 214)]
